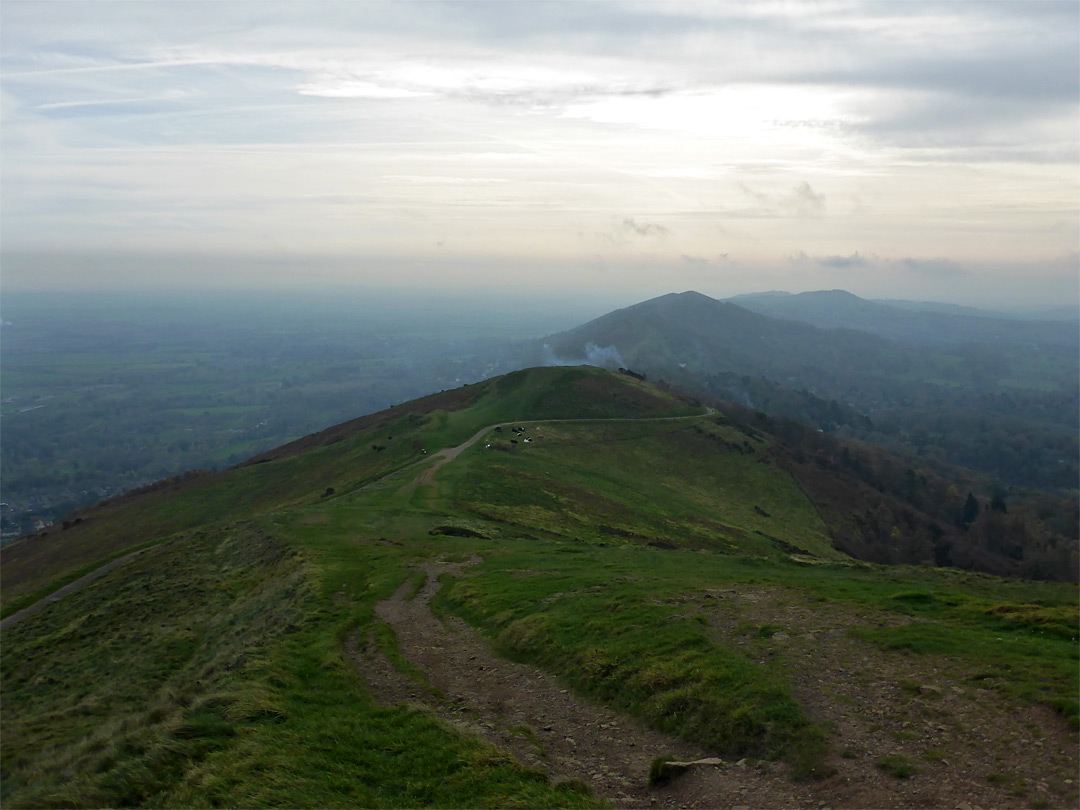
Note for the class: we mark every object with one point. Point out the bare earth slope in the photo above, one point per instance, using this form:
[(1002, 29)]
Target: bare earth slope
[(952, 735)]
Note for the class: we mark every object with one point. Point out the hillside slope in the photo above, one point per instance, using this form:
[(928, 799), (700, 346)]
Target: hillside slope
[(903, 322), (652, 555), (342, 457), (1007, 411)]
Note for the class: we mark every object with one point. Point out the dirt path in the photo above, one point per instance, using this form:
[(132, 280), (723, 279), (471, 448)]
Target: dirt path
[(71, 587), (528, 714), (444, 457), (971, 747)]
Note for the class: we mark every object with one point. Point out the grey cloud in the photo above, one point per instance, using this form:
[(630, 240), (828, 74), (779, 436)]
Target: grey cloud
[(801, 201), (931, 268), (935, 268), (965, 65), (1035, 73), (804, 201), (629, 228), (703, 262), (841, 262), (764, 199), (642, 229)]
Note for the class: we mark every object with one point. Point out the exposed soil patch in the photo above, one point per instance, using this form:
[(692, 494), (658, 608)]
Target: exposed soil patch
[(906, 730), (528, 714), (892, 711)]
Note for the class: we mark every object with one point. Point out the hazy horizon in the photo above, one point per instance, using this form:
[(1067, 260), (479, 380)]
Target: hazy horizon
[(498, 308), (613, 150)]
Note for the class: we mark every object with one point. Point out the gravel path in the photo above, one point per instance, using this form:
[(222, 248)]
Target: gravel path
[(528, 714)]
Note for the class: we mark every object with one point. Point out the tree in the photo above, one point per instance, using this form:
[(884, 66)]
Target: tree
[(971, 510)]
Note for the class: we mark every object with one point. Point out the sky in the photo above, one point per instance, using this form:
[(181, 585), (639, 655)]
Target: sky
[(909, 150)]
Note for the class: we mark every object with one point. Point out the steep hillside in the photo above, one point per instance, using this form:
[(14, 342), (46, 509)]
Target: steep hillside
[(340, 458), (536, 592), (690, 330), (1010, 412)]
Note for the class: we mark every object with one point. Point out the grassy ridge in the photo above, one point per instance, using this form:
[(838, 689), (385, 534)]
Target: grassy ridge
[(343, 458), (211, 671), (680, 484)]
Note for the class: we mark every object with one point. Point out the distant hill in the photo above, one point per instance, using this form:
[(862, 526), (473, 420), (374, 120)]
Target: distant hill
[(692, 331), (911, 322), (1069, 314), (1009, 410)]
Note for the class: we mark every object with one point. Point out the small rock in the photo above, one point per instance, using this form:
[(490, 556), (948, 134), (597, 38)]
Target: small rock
[(706, 761)]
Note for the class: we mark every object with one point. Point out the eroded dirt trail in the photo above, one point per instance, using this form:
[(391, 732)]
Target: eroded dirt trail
[(970, 746), (528, 714)]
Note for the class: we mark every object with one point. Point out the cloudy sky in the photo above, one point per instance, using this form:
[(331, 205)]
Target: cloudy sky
[(902, 149)]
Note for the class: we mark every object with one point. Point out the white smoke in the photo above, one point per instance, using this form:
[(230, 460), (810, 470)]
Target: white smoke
[(602, 356)]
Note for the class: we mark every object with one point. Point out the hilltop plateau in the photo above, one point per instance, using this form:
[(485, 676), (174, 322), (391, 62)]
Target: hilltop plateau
[(538, 591)]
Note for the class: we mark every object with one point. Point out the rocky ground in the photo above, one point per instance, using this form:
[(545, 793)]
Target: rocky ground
[(907, 731)]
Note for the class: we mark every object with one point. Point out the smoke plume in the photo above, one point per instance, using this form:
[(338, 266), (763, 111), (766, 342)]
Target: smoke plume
[(601, 356)]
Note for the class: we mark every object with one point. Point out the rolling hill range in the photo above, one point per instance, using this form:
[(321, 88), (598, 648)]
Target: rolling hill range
[(906, 322), (540, 590), (1007, 411)]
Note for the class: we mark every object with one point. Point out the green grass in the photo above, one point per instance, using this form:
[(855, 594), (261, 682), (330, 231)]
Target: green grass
[(897, 766), (344, 459), (584, 480), (596, 618), (213, 675), (15, 605), (113, 691), (211, 671)]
